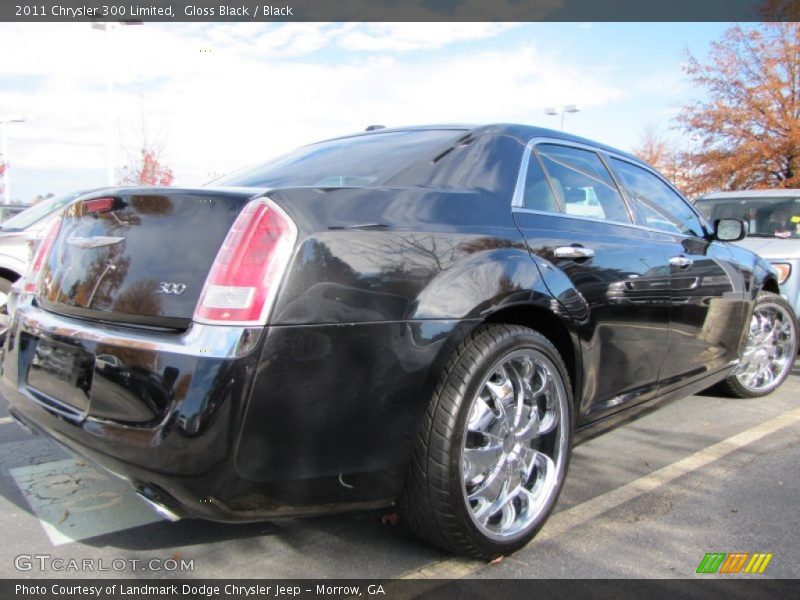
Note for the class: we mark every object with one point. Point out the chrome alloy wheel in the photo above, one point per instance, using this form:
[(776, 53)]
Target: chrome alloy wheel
[(514, 450), (770, 349)]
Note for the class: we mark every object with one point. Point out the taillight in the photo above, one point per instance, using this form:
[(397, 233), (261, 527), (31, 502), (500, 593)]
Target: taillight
[(37, 264), (243, 281)]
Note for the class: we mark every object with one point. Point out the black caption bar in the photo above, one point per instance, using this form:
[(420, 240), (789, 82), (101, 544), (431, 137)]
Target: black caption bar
[(399, 10), (328, 589)]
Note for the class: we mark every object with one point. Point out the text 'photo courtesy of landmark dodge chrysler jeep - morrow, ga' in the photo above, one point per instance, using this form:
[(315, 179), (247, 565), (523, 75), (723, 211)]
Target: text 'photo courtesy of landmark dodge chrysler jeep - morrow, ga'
[(421, 316)]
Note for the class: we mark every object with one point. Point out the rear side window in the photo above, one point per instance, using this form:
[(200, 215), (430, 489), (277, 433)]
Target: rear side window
[(656, 204), (582, 183)]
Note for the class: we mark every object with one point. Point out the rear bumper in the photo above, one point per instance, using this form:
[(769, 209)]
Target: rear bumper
[(160, 405), (234, 424)]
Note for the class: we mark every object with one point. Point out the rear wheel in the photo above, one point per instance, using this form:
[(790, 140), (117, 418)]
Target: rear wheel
[(770, 351), (493, 454)]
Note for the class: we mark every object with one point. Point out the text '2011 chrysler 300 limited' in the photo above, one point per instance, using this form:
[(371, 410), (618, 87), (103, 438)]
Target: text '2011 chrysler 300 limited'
[(424, 316)]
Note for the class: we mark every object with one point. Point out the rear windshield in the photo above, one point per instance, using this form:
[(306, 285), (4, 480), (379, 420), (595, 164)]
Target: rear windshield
[(765, 217), (361, 161)]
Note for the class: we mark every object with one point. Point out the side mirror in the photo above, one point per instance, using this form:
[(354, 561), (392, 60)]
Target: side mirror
[(729, 230)]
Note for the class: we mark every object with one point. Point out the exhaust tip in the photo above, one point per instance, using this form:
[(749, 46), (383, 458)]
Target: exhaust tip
[(159, 508)]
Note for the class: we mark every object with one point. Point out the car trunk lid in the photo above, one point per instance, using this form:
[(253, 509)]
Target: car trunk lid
[(137, 256)]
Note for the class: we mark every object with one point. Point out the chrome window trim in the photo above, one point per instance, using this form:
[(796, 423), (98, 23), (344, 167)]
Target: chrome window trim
[(518, 199), (592, 220)]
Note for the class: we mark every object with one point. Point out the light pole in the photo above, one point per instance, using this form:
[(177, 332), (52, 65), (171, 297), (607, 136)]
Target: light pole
[(111, 143), (569, 108), (4, 150)]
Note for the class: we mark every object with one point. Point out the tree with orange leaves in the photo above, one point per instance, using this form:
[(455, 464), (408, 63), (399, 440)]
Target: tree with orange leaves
[(146, 169), (746, 133)]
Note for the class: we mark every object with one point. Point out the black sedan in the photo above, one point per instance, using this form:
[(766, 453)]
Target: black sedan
[(421, 316)]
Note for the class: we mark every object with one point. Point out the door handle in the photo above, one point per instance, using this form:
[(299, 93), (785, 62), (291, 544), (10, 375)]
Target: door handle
[(681, 262), (573, 252)]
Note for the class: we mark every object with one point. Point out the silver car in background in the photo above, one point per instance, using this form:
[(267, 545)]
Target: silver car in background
[(773, 229), (18, 238)]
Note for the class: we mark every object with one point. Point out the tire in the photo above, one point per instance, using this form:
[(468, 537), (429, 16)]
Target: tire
[(770, 350), (471, 446)]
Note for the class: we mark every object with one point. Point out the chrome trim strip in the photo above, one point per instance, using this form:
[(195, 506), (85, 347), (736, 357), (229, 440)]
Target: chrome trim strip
[(219, 341), (97, 241), (592, 220), (626, 199), (54, 405), (518, 200)]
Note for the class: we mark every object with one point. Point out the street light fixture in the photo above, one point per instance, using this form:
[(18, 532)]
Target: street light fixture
[(111, 157), (4, 150), (569, 108)]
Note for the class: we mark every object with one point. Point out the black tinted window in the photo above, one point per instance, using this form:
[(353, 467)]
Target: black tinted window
[(485, 162), (367, 160), (583, 183), (538, 193), (655, 203)]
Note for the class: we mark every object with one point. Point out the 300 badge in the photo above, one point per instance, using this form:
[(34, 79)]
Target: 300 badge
[(166, 287)]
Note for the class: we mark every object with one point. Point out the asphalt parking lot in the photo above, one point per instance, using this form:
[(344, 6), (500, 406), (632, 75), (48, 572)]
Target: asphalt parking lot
[(647, 499)]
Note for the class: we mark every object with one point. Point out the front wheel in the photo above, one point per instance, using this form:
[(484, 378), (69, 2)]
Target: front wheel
[(493, 454), (770, 351)]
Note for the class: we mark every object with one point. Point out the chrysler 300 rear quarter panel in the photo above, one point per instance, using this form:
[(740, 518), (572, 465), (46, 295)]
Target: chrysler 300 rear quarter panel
[(366, 320)]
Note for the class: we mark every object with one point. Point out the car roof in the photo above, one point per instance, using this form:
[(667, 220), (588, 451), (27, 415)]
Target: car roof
[(522, 133), (781, 193)]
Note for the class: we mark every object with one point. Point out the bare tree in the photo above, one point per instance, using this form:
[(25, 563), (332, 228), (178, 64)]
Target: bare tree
[(146, 169), (659, 150), (653, 147), (146, 165)]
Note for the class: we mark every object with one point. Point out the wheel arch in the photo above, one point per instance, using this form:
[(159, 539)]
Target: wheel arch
[(771, 285), (533, 313), (553, 328), (9, 274), (11, 268)]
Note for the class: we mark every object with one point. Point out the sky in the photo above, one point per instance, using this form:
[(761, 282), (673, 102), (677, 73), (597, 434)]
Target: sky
[(218, 96)]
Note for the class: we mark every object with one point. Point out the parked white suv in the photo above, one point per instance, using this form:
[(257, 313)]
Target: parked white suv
[(773, 229)]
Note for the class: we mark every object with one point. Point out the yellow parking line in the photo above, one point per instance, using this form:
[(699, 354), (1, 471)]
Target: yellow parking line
[(577, 515)]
